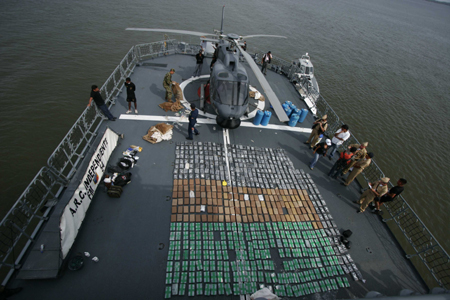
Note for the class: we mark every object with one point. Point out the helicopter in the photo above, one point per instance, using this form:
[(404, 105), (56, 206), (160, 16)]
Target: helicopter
[(229, 82)]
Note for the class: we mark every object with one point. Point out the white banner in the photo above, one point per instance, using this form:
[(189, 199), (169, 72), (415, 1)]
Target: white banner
[(75, 210)]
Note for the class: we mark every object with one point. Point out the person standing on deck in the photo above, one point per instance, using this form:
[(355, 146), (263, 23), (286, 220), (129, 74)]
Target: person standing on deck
[(131, 97), (266, 59), (319, 127), (341, 163), (319, 149), (358, 167), (167, 82), (192, 121), (199, 57), (98, 99), (359, 154), (339, 137), (377, 189), (390, 196)]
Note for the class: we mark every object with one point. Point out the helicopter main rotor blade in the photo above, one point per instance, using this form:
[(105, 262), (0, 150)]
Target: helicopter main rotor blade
[(262, 35), (273, 99), (172, 31), (210, 40)]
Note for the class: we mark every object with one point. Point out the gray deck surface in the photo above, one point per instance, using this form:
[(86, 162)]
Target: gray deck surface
[(125, 233)]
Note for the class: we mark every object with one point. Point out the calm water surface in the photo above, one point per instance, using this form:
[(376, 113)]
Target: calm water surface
[(382, 65)]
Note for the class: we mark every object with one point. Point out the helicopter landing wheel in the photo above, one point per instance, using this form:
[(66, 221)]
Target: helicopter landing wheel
[(228, 123)]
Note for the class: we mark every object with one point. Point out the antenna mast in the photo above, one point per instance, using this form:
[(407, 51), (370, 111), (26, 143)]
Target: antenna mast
[(221, 25)]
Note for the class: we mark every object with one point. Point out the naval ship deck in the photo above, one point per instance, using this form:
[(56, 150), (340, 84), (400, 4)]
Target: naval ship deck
[(127, 233)]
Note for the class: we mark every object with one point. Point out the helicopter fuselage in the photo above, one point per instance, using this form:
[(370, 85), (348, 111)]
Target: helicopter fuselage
[(229, 86)]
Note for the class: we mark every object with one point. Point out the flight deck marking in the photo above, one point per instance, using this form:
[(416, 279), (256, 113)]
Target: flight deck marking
[(210, 121)]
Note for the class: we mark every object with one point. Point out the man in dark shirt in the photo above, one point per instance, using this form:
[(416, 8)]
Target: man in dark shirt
[(98, 99), (340, 164), (192, 121), (131, 97), (266, 59), (390, 196), (199, 57), (319, 149)]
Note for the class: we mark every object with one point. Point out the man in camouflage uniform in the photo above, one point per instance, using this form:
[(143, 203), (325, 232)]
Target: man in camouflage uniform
[(319, 127), (359, 154), (166, 84), (358, 168), (376, 190)]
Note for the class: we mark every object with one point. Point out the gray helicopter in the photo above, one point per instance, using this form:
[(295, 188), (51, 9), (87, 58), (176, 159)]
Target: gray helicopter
[(229, 83)]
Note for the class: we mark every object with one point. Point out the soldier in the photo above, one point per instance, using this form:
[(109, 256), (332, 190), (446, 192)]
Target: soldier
[(377, 189), (319, 127), (358, 167), (359, 154), (390, 196), (192, 121), (166, 84)]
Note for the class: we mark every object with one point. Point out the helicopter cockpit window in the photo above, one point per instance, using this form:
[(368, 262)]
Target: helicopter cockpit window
[(241, 77), (232, 92), (223, 75)]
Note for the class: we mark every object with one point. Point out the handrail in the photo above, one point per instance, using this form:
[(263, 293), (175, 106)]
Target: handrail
[(45, 189), (418, 236)]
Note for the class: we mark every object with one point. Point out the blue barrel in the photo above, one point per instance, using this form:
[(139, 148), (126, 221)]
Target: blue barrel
[(293, 120), (288, 110), (296, 111), (266, 118), (258, 117), (303, 115), (292, 105), (288, 103)]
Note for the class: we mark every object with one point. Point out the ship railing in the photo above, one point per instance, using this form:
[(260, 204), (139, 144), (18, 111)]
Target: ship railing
[(21, 224), (420, 242), (70, 151)]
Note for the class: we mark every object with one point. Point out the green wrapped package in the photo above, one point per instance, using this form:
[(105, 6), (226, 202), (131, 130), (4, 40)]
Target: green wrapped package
[(199, 289), (220, 289), (168, 292), (207, 290), (181, 289), (191, 290), (184, 276), (191, 277), (168, 278), (199, 276), (176, 277), (228, 290)]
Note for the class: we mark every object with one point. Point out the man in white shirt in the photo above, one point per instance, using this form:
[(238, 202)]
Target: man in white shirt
[(339, 137)]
